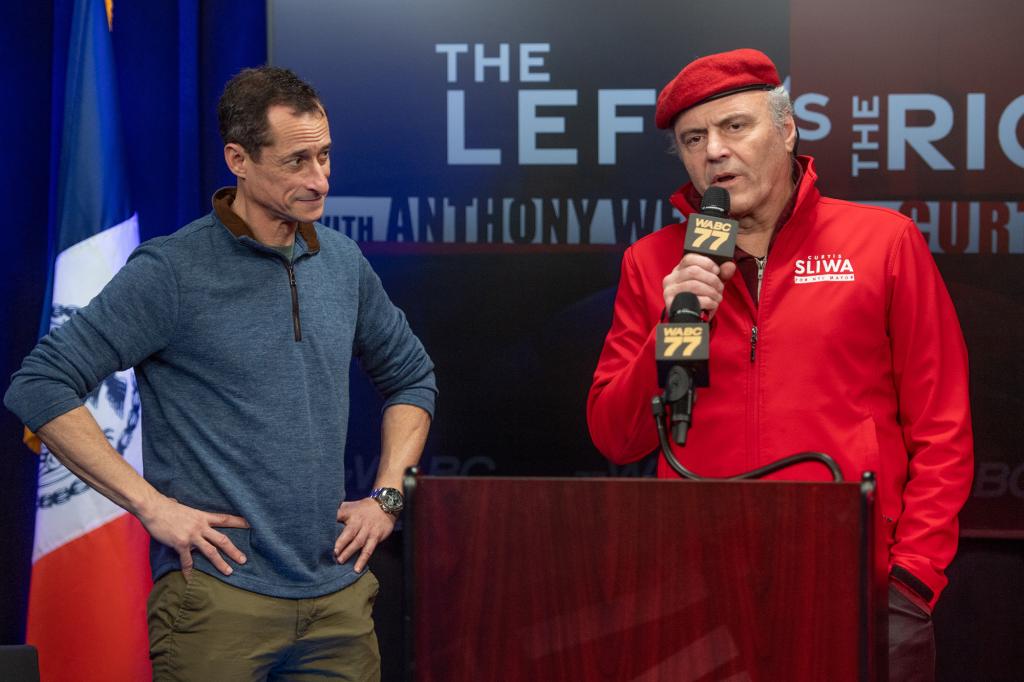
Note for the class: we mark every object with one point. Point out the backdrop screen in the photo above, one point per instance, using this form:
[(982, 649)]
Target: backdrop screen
[(494, 160)]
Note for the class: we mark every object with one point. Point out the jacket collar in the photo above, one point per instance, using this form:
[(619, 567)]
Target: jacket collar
[(225, 196)]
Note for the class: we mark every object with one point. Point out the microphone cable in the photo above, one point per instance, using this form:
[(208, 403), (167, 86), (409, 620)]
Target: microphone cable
[(658, 408)]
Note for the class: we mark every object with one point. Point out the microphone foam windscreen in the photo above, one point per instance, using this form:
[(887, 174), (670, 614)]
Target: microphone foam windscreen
[(715, 201)]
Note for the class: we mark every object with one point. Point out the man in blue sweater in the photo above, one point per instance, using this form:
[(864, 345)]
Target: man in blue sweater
[(241, 327)]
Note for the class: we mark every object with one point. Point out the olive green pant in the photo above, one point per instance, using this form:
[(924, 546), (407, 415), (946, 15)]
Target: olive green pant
[(204, 629)]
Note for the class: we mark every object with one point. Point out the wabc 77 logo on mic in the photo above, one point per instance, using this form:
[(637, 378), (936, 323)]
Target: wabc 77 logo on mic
[(682, 342), (711, 236)]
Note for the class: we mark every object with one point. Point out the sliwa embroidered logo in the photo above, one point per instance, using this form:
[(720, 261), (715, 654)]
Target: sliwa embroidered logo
[(829, 267)]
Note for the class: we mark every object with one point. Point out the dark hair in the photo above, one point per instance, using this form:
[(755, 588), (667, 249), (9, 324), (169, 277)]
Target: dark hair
[(248, 96)]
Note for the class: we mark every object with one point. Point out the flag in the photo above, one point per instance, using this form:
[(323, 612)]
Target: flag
[(90, 569)]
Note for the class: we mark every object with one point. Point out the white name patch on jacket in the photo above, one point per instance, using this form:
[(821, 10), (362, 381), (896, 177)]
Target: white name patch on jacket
[(830, 267)]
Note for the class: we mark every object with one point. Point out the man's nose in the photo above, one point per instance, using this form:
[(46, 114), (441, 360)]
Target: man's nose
[(318, 178), (716, 147)]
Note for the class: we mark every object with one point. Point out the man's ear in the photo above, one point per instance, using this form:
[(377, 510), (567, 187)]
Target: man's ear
[(236, 158), (791, 135)]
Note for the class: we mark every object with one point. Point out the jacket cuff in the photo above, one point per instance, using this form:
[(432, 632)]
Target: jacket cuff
[(914, 584)]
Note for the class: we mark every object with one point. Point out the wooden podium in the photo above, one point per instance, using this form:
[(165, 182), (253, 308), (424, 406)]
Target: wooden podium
[(640, 580)]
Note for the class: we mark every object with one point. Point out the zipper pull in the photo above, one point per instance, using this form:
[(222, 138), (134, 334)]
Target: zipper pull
[(753, 343), (296, 321), (762, 262)]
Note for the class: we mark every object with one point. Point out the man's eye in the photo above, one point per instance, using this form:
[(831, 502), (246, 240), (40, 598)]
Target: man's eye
[(691, 140)]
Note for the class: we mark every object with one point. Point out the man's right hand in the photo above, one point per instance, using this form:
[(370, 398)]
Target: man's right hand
[(182, 528), (698, 274), (77, 441)]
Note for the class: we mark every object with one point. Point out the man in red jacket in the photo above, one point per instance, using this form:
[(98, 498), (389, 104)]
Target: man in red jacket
[(831, 331)]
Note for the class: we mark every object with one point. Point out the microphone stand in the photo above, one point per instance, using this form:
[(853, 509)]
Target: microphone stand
[(680, 394)]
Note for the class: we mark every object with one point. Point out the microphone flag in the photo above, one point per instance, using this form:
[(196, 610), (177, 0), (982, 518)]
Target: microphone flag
[(712, 232)]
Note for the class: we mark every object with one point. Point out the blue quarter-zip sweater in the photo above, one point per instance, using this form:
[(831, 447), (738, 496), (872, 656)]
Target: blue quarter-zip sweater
[(242, 360)]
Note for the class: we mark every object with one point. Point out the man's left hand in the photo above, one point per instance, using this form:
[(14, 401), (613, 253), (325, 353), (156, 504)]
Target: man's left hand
[(366, 526)]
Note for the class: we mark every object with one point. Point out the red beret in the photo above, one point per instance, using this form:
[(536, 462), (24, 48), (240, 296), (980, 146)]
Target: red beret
[(716, 75)]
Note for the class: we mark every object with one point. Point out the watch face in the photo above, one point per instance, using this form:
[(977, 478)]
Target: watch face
[(390, 499)]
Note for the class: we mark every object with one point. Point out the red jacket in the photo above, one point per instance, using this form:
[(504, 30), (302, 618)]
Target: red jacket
[(859, 354)]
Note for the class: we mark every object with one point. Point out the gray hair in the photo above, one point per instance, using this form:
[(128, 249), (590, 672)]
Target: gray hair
[(779, 105)]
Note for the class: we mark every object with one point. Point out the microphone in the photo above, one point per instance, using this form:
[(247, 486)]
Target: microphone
[(683, 341), (681, 352), (712, 232)]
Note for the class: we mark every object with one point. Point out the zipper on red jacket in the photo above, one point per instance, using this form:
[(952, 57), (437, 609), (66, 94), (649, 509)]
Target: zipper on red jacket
[(753, 411), (296, 322), (762, 262)]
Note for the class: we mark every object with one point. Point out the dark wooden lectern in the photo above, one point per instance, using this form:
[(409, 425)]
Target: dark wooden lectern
[(641, 579)]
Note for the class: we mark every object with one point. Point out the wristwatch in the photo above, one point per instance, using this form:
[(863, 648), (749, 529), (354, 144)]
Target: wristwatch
[(389, 499)]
